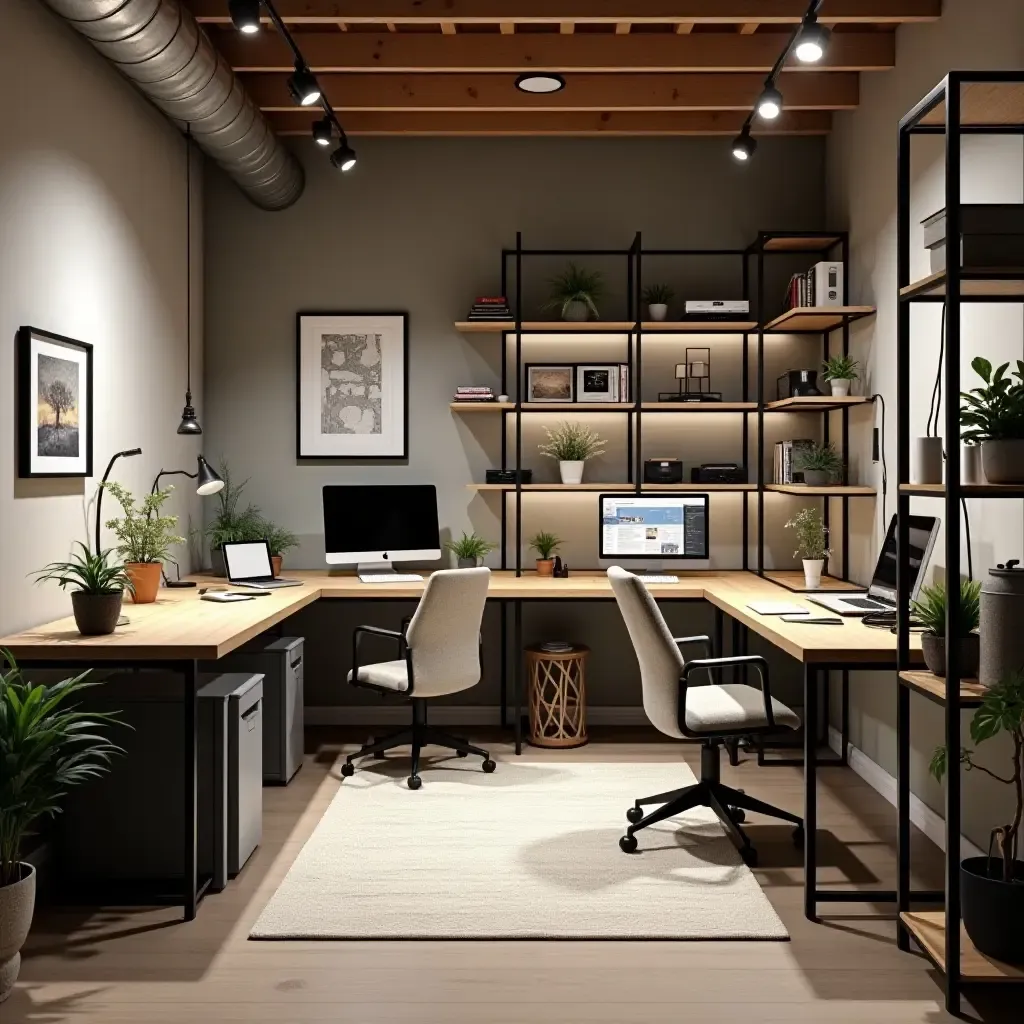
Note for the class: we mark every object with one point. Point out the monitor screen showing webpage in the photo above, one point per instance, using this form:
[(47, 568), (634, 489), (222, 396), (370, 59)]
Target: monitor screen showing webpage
[(654, 526)]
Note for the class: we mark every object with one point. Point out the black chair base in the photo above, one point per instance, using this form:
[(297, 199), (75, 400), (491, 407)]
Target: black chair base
[(418, 736), (728, 804)]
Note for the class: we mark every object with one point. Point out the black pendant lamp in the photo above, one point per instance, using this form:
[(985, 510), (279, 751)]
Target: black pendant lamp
[(189, 423)]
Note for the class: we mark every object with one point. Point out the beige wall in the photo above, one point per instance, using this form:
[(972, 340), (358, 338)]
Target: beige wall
[(93, 247), (862, 197)]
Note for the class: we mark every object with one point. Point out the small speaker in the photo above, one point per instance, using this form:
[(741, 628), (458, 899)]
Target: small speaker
[(663, 471)]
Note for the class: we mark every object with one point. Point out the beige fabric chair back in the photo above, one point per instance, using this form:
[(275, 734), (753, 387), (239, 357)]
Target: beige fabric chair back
[(444, 634), (659, 657)]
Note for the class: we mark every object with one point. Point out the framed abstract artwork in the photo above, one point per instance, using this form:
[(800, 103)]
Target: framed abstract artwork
[(549, 382), (352, 398), (54, 405)]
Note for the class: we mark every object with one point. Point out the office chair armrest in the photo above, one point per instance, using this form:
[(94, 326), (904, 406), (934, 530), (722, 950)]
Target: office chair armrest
[(682, 641), (741, 659), (359, 631)]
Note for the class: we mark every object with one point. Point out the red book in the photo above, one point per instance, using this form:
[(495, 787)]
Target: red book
[(490, 300)]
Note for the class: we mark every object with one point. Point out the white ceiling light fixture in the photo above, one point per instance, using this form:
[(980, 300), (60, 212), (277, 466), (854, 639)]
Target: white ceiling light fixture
[(769, 105), (812, 41), (540, 83)]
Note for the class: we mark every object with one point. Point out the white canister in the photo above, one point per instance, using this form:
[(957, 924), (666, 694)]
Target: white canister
[(926, 461), (970, 464)]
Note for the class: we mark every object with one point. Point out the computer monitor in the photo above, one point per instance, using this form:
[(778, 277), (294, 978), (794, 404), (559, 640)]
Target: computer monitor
[(373, 525), (655, 527)]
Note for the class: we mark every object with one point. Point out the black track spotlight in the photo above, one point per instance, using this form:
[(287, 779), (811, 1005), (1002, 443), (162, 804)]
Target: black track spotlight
[(769, 105), (303, 87), (743, 145), (245, 15), (344, 157), (323, 132), (812, 41)]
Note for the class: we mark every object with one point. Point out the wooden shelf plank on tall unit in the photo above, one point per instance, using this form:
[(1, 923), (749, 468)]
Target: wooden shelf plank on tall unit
[(934, 687), (544, 326), (1008, 284), (813, 403), (814, 319), (829, 490), (929, 930), (967, 490)]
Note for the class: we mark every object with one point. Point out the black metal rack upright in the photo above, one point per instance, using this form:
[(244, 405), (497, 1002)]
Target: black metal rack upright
[(963, 103)]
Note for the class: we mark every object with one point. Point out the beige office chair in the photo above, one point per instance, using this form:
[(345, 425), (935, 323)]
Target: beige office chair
[(712, 713), (438, 653)]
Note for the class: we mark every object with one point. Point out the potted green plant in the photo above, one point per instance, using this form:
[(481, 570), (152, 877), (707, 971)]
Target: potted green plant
[(572, 444), (46, 746), (545, 544), (230, 522), (811, 544), (657, 297), (994, 418), (469, 550), (97, 588), (820, 464), (574, 293), (145, 537), (840, 372), (930, 610), (992, 887), (279, 540)]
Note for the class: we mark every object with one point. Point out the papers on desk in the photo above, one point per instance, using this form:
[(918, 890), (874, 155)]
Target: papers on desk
[(778, 608)]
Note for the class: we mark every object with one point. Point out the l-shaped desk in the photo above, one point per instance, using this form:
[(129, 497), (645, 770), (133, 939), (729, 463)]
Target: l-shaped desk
[(179, 631)]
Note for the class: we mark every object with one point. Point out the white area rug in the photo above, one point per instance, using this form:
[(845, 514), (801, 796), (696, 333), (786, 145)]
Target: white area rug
[(528, 852)]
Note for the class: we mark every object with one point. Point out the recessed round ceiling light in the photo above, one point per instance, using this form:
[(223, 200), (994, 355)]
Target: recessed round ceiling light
[(539, 82)]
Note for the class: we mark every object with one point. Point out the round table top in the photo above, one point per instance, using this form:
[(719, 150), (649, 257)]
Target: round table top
[(574, 652)]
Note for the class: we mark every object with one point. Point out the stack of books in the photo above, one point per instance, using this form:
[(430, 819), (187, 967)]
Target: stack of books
[(490, 307), (785, 455), (472, 394), (800, 291)]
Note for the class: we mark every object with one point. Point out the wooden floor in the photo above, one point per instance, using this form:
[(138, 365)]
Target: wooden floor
[(108, 966)]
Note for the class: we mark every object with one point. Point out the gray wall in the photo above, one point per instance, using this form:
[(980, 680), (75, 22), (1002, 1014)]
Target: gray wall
[(419, 227)]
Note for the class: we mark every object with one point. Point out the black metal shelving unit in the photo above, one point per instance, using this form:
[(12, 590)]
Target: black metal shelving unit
[(963, 103)]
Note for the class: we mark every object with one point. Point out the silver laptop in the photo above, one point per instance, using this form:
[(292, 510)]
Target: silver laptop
[(881, 595), (248, 565)]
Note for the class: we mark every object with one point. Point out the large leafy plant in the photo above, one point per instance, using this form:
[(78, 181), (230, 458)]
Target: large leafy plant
[(994, 412), (1002, 710), (87, 573), (46, 746), (145, 535), (232, 523), (575, 284), (931, 608), (572, 442), (811, 534)]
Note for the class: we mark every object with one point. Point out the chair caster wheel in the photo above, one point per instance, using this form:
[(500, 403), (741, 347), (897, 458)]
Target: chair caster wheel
[(348, 769), (627, 844), (634, 814), (798, 836), (738, 815), (414, 782), (749, 856), (462, 753), (489, 766)]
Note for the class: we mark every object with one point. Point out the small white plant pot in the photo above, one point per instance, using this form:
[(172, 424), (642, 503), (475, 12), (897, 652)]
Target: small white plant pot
[(840, 387), (812, 572), (657, 310), (571, 472)]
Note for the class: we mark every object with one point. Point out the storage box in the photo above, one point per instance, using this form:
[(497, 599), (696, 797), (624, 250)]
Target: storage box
[(991, 238), (827, 281)]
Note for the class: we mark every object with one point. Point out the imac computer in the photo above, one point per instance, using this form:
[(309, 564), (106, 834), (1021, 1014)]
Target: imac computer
[(372, 526), (654, 527)]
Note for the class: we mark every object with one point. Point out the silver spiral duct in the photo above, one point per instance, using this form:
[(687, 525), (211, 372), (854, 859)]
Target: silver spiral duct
[(161, 48)]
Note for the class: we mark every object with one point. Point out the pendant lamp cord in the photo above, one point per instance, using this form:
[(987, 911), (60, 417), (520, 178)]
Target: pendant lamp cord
[(188, 264)]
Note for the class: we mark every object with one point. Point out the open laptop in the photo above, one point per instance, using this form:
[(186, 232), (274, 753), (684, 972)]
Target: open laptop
[(248, 565), (881, 595)]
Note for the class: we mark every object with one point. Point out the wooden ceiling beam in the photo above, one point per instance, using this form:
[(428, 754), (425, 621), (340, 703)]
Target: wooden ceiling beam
[(701, 12), (560, 123), (684, 28), (466, 52), (434, 93), (748, 28)]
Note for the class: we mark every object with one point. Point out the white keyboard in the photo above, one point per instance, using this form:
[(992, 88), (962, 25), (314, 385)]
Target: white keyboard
[(390, 577), (659, 579)]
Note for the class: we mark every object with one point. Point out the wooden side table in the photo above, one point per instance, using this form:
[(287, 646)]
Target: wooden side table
[(557, 700)]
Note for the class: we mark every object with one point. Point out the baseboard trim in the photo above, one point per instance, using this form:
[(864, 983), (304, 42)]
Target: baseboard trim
[(452, 714), (931, 824)]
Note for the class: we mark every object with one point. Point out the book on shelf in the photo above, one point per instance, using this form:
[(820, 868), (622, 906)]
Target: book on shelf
[(474, 394), (490, 307), (786, 458), (819, 286)]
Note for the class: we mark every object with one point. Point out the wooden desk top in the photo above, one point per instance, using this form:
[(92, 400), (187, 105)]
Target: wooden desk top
[(181, 627)]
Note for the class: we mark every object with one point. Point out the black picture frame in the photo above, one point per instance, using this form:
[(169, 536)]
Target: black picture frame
[(31, 464), (302, 452)]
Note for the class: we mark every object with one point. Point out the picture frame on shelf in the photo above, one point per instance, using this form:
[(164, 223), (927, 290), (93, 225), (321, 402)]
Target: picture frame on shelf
[(54, 407), (597, 382), (352, 394), (550, 382)]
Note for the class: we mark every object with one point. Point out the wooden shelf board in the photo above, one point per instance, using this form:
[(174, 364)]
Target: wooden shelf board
[(692, 407), (981, 103), (802, 243), (461, 407), (815, 319), (934, 687), (967, 490), (576, 406), (1008, 284), (793, 579), (647, 489), (830, 490), (554, 326), (928, 928), (700, 326), (823, 403)]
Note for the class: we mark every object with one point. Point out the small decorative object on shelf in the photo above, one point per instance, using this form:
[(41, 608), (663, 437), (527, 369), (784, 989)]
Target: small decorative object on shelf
[(820, 464), (826, 284), (489, 307), (991, 237), (994, 417), (545, 544), (599, 383), (811, 544), (549, 382), (473, 394), (992, 888), (927, 462), (279, 540), (508, 476), (97, 588), (930, 610), (694, 378), (663, 471), (469, 550), (716, 309), (841, 372), (797, 384), (1001, 614), (574, 293), (573, 445), (971, 471), (657, 297)]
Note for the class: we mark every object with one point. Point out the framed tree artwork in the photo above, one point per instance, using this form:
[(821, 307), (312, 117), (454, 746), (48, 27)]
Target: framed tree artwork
[(352, 399), (54, 408)]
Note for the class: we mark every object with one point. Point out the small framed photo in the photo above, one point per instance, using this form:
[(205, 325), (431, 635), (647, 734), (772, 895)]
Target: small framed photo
[(54, 405), (549, 382), (598, 383)]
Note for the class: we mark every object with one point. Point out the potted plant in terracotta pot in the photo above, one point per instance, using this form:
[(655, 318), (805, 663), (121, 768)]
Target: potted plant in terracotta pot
[(279, 540), (97, 588), (811, 544), (840, 372), (469, 550), (573, 445), (930, 610), (657, 297), (994, 418), (46, 746), (574, 293), (545, 544), (231, 523), (992, 887), (145, 537), (820, 464)]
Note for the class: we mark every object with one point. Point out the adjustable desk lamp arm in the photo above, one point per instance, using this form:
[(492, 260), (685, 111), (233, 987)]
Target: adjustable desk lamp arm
[(99, 494)]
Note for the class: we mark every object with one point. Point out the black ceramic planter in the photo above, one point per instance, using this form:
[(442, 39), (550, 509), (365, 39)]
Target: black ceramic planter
[(96, 614), (993, 909), (934, 650)]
